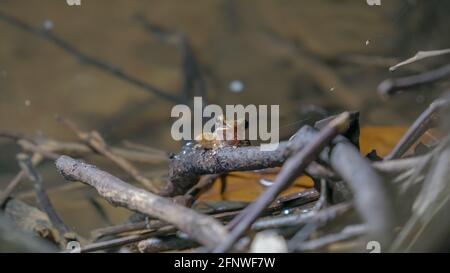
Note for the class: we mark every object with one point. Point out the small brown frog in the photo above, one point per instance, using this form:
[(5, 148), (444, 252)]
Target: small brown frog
[(225, 134)]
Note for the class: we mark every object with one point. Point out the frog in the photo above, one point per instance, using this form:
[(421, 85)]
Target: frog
[(225, 134)]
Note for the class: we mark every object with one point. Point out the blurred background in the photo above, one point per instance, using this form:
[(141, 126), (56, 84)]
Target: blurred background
[(313, 58)]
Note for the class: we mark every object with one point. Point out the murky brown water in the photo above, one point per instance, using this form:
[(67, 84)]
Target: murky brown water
[(330, 54)]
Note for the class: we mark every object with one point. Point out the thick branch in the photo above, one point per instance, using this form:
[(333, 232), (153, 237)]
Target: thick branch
[(201, 228), (293, 167), (185, 169), (371, 197)]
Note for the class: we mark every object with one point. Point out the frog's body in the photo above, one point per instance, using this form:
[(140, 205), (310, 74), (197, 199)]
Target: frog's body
[(225, 134)]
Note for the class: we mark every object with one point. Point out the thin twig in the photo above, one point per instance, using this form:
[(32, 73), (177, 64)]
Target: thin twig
[(202, 186), (193, 82), (97, 143), (43, 199), (346, 234), (398, 165), (86, 59), (302, 235), (424, 122), (306, 231), (114, 243), (154, 245), (316, 68), (144, 148), (322, 202), (294, 220), (296, 199), (48, 148), (128, 227), (420, 56), (391, 86), (6, 193)]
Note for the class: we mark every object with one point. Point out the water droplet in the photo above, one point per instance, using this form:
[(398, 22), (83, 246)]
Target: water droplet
[(48, 24), (286, 212), (367, 42), (332, 89), (189, 144), (236, 86), (27, 103)]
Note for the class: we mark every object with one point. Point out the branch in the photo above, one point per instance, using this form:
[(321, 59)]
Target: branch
[(371, 197), (43, 200), (293, 167), (420, 56), (96, 142), (114, 243), (398, 165), (203, 229), (424, 122), (186, 169), (346, 234), (296, 220), (154, 245), (391, 86), (193, 82), (128, 227), (47, 147), (86, 59)]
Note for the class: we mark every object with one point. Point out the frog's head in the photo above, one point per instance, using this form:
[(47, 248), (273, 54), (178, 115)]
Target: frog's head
[(231, 123)]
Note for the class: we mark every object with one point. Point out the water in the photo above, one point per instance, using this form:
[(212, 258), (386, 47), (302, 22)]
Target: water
[(310, 57)]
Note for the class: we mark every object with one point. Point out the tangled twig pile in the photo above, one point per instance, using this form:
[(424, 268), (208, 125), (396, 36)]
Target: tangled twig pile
[(357, 199)]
